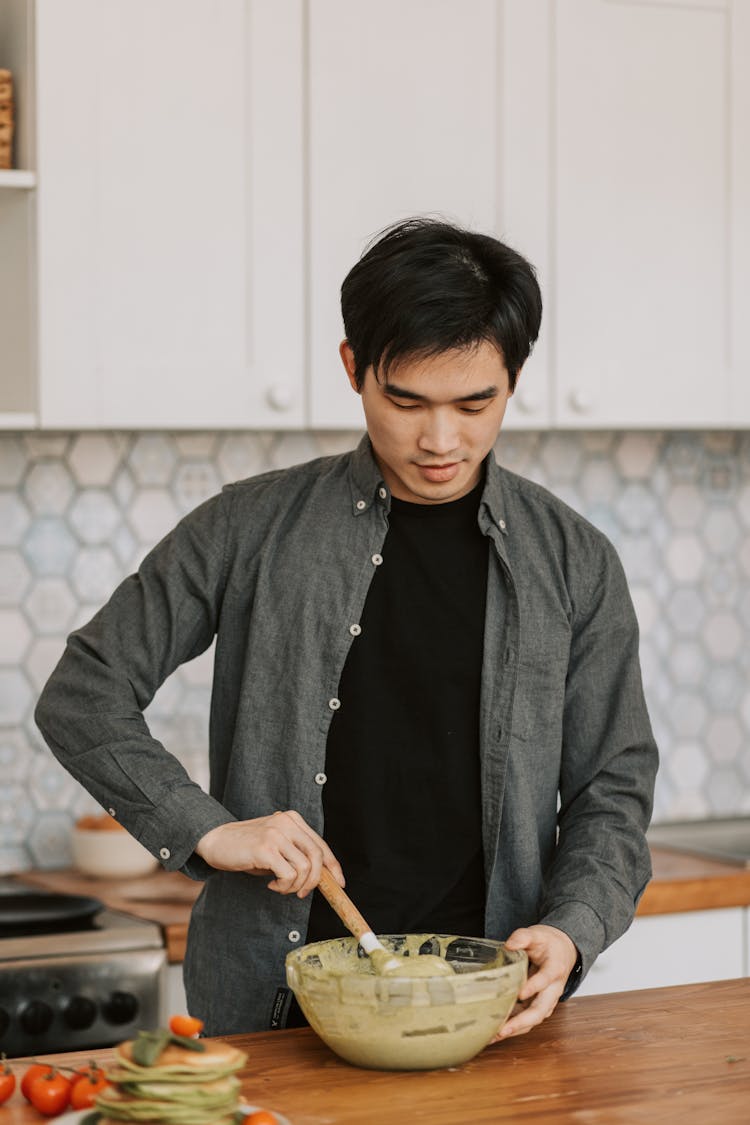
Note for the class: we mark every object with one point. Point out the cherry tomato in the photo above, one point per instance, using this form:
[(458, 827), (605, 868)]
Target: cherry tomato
[(91, 1068), (33, 1072), (186, 1025), (50, 1093), (85, 1088), (262, 1117), (7, 1081)]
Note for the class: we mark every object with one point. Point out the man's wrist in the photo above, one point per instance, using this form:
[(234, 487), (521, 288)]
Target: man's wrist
[(205, 844)]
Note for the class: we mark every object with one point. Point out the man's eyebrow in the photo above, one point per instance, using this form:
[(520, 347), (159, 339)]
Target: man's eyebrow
[(400, 392)]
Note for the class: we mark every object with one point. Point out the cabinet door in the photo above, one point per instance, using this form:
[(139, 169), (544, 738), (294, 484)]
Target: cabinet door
[(645, 195), (665, 949), (739, 204), (170, 213), (408, 108)]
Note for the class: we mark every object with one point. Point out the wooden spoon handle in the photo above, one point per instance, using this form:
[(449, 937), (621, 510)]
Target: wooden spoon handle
[(342, 904)]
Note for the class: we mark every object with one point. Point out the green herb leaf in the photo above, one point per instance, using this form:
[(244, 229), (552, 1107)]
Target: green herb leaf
[(148, 1045), (188, 1042)]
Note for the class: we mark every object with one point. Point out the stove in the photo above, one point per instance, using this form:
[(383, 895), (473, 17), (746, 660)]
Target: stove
[(74, 974)]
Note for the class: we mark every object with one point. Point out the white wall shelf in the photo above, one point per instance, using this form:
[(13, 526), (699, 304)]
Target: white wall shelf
[(17, 178)]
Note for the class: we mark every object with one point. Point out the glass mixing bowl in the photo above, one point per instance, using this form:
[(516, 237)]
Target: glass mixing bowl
[(402, 1023)]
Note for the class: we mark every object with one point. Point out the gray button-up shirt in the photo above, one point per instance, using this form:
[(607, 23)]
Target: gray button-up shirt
[(277, 569)]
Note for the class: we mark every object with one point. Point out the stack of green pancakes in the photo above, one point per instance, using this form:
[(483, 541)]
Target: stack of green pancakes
[(167, 1079)]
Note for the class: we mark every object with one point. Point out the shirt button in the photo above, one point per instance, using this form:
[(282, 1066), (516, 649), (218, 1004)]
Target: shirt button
[(294, 935), (111, 812), (320, 779), (382, 493), (501, 524), (334, 704), (377, 560), (164, 853), (355, 630), (361, 505)]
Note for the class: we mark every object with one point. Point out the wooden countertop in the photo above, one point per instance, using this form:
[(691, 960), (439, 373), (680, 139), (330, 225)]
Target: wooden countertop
[(686, 882), (676, 1056), (680, 882)]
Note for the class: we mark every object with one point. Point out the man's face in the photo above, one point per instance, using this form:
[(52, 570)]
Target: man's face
[(433, 421)]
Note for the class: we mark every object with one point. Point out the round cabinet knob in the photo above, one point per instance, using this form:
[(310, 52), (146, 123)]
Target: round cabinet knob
[(121, 1007), (280, 397), (79, 1013), (581, 401), (36, 1017)]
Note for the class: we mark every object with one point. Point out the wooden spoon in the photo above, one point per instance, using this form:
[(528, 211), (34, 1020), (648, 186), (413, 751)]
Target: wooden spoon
[(383, 961)]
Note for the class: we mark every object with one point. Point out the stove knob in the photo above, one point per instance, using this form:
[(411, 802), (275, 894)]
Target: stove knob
[(121, 1007), (36, 1017), (79, 1013)]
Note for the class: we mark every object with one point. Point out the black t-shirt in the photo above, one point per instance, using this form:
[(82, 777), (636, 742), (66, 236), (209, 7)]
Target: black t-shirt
[(402, 802)]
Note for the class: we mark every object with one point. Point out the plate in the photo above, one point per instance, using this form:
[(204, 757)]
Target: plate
[(75, 1117)]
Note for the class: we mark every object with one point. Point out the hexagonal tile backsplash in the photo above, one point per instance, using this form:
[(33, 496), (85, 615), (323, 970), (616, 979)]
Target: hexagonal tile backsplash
[(79, 511)]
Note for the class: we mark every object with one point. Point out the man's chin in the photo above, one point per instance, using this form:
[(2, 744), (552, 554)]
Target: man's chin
[(438, 492)]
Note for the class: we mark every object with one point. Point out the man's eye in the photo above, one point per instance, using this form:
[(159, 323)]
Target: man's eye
[(404, 405), (473, 409)]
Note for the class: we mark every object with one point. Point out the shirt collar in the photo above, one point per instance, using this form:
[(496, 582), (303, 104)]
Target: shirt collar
[(365, 480), (493, 496), (492, 507), (367, 485)]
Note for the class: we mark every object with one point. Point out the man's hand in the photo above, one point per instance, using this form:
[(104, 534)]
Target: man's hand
[(282, 845), (552, 957)]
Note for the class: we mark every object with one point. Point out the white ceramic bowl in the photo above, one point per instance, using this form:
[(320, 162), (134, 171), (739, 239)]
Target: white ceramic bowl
[(113, 853)]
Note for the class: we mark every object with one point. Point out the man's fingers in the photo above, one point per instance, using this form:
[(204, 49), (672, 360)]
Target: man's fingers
[(281, 845), (313, 844), (535, 1013), (536, 982), (303, 850)]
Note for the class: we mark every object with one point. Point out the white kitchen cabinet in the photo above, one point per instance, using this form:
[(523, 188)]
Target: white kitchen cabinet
[(649, 193), (670, 949), (413, 108), (609, 140), (207, 171), (169, 287)]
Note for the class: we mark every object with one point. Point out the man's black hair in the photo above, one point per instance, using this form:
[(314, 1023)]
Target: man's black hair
[(424, 286)]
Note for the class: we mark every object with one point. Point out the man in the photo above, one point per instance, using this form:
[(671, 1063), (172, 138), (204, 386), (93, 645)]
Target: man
[(426, 674)]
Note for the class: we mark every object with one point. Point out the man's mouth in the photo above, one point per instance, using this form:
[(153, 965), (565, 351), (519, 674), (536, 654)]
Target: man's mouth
[(438, 473)]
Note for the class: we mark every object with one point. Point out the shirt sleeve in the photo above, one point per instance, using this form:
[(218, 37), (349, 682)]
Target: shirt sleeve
[(602, 862), (91, 709)]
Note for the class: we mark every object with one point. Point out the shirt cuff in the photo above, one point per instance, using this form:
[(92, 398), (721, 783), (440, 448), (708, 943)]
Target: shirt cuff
[(586, 930), (173, 828)]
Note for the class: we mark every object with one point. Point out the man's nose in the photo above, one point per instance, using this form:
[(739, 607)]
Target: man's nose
[(439, 433)]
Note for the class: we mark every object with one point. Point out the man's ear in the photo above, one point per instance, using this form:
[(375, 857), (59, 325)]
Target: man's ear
[(347, 358)]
